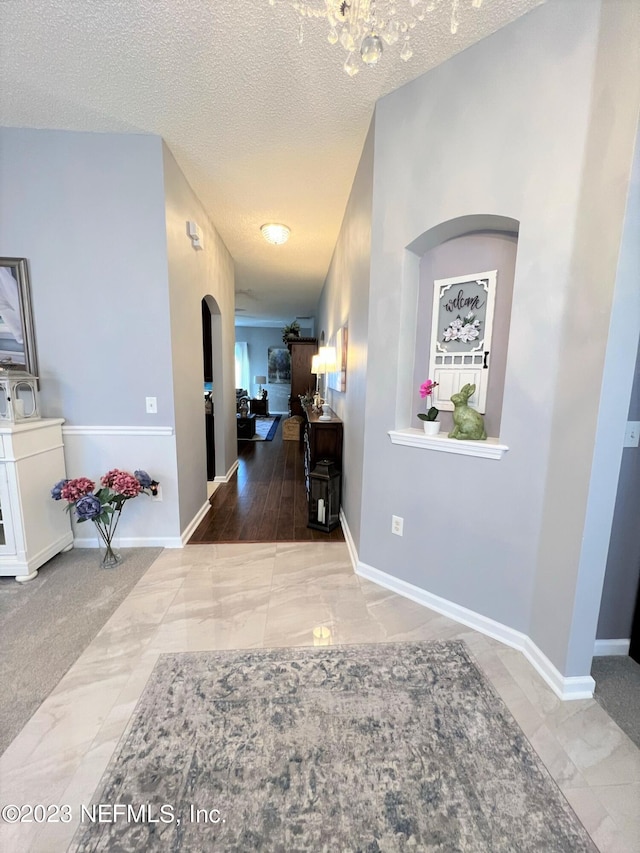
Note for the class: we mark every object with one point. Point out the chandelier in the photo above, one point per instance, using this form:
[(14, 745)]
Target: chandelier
[(363, 27)]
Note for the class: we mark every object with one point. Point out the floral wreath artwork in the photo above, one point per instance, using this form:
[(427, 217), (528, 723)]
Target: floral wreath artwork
[(463, 330)]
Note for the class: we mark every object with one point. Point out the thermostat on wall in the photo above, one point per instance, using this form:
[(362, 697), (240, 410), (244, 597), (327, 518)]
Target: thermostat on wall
[(193, 230)]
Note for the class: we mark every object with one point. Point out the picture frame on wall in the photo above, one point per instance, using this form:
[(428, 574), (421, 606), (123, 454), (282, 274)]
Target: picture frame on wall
[(278, 366), (337, 380), (17, 334), (461, 330)]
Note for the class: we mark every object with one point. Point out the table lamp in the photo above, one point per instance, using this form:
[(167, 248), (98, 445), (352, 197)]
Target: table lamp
[(260, 381)]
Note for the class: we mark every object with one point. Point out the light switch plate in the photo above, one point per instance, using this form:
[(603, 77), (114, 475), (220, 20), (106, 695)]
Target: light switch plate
[(632, 434)]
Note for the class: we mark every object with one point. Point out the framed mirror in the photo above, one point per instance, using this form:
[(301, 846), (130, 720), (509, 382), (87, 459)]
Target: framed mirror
[(17, 338)]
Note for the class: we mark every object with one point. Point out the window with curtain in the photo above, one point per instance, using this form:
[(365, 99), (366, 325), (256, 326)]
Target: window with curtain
[(242, 365)]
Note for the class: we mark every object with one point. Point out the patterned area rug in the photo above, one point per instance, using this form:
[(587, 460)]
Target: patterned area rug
[(372, 748), (265, 429)]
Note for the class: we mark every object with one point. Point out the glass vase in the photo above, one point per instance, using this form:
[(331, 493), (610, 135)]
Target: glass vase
[(109, 557)]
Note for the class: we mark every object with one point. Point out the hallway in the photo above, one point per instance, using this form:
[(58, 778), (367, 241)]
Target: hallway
[(265, 499)]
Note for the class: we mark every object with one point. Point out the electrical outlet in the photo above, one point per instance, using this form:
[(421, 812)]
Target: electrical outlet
[(632, 434), (158, 494), (397, 524), (152, 405)]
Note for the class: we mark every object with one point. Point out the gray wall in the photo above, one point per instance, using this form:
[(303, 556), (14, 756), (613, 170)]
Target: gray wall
[(530, 124), (623, 560), (87, 211), (601, 325), (258, 340), (345, 299), (117, 291), (194, 274)]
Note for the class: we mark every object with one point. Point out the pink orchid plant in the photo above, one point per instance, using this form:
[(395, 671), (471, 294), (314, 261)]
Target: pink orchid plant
[(426, 390)]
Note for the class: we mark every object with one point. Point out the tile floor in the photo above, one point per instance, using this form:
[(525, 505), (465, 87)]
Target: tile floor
[(244, 596)]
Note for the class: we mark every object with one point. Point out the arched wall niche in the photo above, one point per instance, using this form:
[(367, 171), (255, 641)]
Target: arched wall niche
[(458, 247)]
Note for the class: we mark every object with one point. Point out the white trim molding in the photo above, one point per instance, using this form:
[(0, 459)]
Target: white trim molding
[(488, 449), (611, 647), (224, 478), (578, 687), (195, 521), (348, 538), (117, 430)]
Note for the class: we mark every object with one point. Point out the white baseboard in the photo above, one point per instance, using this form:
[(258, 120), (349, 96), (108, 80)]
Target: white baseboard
[(351, 547), (578, 687), (611, 647), (188, 532), (566, 687), (224, 478)]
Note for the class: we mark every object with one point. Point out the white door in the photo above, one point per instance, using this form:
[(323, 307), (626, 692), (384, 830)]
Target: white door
[(461, 327)]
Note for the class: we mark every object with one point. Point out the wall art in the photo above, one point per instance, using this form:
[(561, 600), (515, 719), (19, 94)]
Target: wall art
[(279, 366), (338, 379), (17, 337)]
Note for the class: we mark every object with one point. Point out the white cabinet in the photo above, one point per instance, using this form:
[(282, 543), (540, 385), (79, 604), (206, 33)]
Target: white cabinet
[(33, 527)]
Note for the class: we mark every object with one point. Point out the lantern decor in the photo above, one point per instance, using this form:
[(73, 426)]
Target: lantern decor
[(324, 496), (18, 396)]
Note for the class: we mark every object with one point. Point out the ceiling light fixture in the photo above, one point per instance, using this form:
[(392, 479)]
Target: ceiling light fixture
[(361, 26), (274, 233)]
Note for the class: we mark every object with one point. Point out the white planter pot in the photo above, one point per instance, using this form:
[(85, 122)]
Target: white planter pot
[(431, 427)]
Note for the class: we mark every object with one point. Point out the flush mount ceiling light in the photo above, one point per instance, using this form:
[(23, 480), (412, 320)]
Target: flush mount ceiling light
[(274, 233), (362, 26)]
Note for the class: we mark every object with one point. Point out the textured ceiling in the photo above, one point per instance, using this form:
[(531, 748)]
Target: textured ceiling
[(264, 128)]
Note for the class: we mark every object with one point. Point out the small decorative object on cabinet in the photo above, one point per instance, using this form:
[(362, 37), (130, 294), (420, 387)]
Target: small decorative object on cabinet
[(468, 424), (290, 331), (32, 530), (18, 396), (428, 418), (324, 498)]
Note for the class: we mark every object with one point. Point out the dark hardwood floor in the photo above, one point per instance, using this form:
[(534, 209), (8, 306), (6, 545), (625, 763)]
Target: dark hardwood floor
[(265, 500)]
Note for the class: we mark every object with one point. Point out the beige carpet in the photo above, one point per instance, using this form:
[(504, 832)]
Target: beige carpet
[(46, 624)]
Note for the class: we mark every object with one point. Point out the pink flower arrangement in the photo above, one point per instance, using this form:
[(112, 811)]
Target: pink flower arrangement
[(122, 483), (104, 506), (73, 490), (426, 390)]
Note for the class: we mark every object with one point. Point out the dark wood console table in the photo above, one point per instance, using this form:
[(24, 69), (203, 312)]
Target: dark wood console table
[(322, 440)]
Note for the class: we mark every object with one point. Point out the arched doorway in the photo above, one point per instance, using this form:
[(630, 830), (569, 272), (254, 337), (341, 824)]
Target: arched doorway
[(214, 399)]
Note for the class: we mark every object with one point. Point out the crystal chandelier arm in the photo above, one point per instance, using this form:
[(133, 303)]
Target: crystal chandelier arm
[(360, 26)]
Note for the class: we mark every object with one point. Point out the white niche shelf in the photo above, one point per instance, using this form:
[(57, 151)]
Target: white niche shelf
[(488, 449)]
